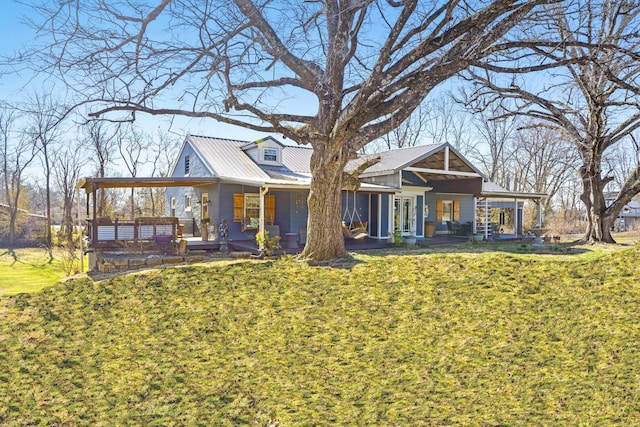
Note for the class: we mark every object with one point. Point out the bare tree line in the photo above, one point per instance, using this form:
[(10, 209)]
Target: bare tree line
[(42, 154)]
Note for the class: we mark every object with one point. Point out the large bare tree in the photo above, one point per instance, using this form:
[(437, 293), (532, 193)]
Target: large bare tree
[(329, 73), (593, 102), (67, 165)]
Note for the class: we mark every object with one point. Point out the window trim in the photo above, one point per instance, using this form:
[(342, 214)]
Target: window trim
[(271, 152), (448, 212), (251, 224)]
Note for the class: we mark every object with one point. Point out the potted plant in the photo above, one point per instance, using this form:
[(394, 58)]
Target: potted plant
[(410, 239), (395, 238)]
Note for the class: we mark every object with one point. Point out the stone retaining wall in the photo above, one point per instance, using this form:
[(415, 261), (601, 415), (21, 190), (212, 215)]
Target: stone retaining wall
[(107, 263)]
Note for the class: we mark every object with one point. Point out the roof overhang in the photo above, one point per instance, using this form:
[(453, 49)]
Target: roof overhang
[(513, 195), (92, 184)]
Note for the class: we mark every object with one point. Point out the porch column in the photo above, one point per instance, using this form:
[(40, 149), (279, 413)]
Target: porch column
[(515, 218), (538, 214), (263, 192), (486, 218), (80, 233), (475, 215)]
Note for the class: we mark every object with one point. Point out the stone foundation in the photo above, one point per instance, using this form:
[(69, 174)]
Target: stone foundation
[(119, 262)]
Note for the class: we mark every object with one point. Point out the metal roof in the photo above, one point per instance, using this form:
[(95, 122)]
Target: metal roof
[(226, 158), (490, 189)]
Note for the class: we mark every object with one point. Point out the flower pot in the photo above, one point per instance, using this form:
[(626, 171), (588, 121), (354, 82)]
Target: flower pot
[(429, 228), (409, 240), (478, 237)]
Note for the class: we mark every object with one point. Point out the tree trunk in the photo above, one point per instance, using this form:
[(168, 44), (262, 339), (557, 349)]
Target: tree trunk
[(599, 221), (325, 240)]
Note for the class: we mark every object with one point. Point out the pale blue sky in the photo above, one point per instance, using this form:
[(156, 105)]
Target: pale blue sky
[(16, 34)]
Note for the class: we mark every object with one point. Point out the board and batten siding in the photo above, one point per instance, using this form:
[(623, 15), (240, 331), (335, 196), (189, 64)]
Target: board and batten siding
[(467, 212)]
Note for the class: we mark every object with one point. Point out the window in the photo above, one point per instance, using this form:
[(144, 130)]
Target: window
[(246, 209), (252, 210), (270, 155), (186, 165), (447, 210), (187, 202), (173, 206)]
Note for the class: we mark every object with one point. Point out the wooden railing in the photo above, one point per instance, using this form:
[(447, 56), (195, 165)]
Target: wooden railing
[(104, 231)]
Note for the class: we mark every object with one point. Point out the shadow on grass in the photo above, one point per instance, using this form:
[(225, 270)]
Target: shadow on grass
[(517, 247)]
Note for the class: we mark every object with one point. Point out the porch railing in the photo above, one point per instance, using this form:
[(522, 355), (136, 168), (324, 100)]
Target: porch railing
[(158, 229)]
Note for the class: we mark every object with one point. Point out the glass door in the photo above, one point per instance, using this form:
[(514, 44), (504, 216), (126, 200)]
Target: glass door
[(403, 214)]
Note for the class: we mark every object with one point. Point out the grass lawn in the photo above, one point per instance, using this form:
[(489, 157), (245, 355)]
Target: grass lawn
[(31, 272), (470, 337)]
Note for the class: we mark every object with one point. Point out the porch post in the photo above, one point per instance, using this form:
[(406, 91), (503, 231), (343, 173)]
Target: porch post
[(263, 191), (80, 233), (538, 214), (515, 218), (486, 218), (475, 214)]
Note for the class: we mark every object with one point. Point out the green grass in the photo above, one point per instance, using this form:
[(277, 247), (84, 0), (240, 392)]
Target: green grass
[(30, 272), (473, 339)]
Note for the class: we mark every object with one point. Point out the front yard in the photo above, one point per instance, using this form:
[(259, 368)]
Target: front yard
[(460, 338)]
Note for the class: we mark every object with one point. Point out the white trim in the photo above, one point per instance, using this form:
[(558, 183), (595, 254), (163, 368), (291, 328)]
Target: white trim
[(446, 158)]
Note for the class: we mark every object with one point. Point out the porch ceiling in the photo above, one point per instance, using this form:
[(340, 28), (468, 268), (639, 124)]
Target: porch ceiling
[(437, 161)]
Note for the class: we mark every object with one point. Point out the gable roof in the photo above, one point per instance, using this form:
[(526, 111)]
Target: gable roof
[(228, 161), (424, 156)]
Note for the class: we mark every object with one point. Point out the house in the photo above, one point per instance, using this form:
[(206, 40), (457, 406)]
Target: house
[(264, 184), (629, 216)]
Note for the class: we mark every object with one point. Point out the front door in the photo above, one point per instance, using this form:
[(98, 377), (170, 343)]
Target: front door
[(403, 215)]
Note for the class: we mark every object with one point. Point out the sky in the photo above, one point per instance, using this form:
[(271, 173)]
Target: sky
[(16, 33)]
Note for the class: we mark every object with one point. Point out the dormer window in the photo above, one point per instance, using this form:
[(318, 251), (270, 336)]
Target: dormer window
[(266, 151), (270, 155)]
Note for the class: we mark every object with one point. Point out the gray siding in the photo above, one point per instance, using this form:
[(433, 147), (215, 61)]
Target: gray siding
[(385, 200), (196, 166), (355, 209), (226, 209), (419, 216), (298, 212), (467, 212)]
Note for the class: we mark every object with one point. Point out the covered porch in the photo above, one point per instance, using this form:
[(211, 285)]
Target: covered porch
[(141, 234), (500, 212)]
